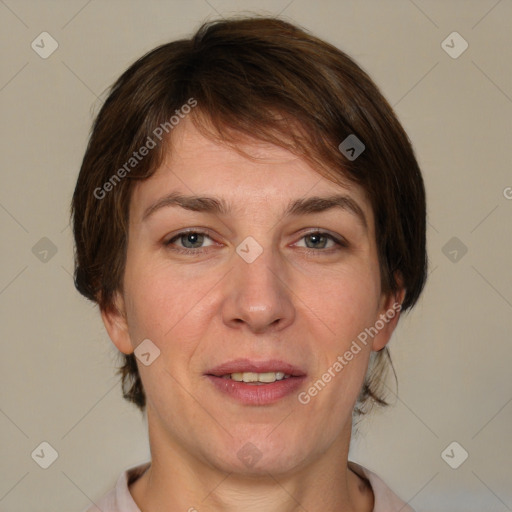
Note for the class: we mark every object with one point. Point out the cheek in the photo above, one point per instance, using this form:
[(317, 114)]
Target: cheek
[(164, 304), (346, 301), (346, 306)]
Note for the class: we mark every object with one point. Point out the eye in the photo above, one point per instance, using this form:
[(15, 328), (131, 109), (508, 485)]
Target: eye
[(320, 240), (187, 241), (194, 242)]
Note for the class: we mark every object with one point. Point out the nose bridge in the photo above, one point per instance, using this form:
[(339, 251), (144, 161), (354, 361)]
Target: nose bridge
[(256, 278), (257, 295)]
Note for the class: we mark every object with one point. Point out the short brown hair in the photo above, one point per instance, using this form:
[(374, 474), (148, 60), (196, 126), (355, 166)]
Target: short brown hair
[(266, 79)]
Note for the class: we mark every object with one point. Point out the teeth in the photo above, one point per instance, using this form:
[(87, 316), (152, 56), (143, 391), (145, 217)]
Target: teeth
[(267, 377)]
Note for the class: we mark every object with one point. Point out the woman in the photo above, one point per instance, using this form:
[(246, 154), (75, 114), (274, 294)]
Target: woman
[(250, 219)]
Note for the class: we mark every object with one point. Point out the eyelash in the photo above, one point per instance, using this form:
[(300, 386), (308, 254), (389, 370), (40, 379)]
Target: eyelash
[(340, 242)]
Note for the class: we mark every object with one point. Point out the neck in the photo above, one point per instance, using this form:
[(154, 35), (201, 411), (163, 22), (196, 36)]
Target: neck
[(179, 481)]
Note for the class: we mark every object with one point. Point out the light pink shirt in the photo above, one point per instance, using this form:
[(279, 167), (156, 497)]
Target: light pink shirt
[(119, 498)]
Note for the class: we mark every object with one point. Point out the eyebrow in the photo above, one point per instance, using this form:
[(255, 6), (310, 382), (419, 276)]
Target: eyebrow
[(303, 206)]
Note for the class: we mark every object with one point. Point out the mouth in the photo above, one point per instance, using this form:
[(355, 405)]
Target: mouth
[(246, 370), (256, 382), (256, 378)]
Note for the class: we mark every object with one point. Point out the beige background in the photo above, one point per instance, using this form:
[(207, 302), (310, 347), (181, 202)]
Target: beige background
[(452, 353)]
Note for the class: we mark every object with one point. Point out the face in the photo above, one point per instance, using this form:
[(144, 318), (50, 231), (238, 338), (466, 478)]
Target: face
[(249, 266)]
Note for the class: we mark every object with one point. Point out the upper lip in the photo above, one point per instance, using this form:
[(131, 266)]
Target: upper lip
[(247, 365)]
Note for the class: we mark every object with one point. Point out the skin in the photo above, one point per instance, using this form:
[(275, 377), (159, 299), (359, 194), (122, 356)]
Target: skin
[(303, 300)]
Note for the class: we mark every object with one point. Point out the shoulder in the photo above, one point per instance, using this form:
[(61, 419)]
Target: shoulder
[(385, 499), (119, 498)]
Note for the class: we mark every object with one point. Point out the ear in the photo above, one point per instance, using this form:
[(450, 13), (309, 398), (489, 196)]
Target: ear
[(114, 319), (387, 319)]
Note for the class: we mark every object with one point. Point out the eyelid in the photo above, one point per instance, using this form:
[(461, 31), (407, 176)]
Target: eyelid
[(181, 232)]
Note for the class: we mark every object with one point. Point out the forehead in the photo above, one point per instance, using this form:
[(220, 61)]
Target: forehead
[(258, 172)]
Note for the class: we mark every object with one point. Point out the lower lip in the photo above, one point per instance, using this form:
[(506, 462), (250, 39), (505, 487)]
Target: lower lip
[(254, 394)]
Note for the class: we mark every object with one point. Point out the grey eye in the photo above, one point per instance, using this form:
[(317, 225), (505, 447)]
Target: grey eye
[(192, 240)]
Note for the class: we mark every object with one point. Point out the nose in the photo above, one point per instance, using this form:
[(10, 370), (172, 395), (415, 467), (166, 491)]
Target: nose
[(257, 296)]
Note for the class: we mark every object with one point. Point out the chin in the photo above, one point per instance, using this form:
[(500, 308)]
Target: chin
[(259, 455)]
